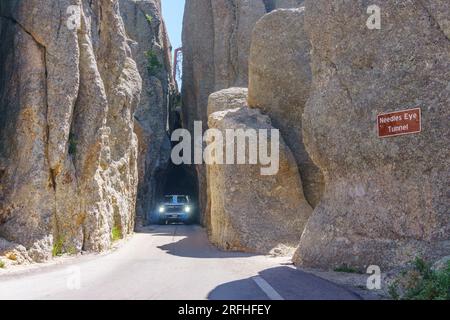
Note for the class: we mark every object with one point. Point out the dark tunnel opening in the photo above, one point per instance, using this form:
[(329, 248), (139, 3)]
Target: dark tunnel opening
[(179, 180), (182, 180)]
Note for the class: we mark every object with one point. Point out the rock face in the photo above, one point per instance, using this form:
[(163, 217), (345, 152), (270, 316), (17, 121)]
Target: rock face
[(226, 99), (386, 200), (216, 46), (68, 151), (251, 212), (152, 53), (279, 84)]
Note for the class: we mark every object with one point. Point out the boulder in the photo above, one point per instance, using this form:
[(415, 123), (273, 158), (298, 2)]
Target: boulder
[(279, 85), (230, 98), (386, 199), (216, 47), (252, 212)]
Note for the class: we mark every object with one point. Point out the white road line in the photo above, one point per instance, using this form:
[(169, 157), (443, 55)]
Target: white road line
[(267, 288)]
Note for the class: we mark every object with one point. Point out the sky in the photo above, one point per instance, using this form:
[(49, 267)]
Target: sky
[(173, 16)]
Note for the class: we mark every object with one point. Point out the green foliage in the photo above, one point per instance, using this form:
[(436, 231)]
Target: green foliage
[(422, 283), (149, 18), (2, 265), (58, 247), (153, 64), (177, 100), (72, 144), (72, 251), (393, 290), (116, 233), (347, 269)]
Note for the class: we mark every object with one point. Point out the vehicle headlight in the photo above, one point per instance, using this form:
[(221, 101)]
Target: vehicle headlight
[(162, 209), (187, 209)]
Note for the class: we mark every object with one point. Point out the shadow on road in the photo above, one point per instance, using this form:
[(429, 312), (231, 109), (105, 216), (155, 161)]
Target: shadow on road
[(194, 242), (290, 283), (190, 247), (241, 290)]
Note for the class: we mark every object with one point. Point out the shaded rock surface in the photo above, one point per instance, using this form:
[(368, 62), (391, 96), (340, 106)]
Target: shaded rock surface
[(249, 211), (68, 150), (385, 200), (226, 99), (216, 46), (152, 52), (280, 82)]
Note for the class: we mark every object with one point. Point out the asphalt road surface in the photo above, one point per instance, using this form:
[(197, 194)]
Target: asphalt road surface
[(170, 262)]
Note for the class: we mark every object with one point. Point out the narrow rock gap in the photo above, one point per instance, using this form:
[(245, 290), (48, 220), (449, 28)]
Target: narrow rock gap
[(181, 179), (270, 5)]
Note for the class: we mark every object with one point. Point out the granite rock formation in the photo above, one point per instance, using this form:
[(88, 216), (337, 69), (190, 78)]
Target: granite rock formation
[(279, 85), (216, 47), (386, 200), (68, 152), (151, 50), (252, 212)]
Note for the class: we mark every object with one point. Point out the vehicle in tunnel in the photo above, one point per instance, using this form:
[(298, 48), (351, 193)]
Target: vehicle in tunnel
[(177, 180), (176, 208)]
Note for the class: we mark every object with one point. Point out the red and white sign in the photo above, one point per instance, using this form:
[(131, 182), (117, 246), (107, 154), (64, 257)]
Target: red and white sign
[(399, 123)]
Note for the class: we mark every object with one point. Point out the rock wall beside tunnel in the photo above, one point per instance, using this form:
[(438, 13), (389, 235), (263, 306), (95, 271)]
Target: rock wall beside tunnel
[(279, 85), (151, 50), (252, 212), (68, 151), (386, 200), (216, 47)]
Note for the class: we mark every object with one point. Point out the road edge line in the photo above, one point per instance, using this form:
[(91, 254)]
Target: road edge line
[(267, 288)]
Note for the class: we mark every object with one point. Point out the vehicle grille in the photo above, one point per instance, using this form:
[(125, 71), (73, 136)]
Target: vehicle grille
[(174, 209)]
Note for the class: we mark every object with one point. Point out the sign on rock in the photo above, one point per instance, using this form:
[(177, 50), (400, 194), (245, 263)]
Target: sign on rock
[(399, 123)]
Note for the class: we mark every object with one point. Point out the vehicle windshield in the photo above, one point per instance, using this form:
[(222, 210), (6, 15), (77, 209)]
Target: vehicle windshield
[(170, 199), (182, 199), (176, 199)]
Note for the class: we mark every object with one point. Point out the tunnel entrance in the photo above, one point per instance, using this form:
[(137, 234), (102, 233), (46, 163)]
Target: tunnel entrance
[(178, 180), (182, 180)]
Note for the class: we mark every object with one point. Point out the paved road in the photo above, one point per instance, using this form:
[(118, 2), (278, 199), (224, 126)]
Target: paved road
[(170, 262)]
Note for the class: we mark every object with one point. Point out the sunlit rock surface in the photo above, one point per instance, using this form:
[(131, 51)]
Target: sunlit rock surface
[(250, 211), (68, 152), (151, 50), (386, 200), (216, 48), (280, 82)]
